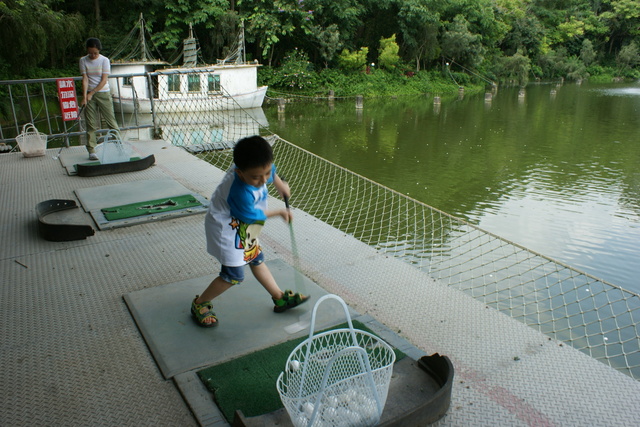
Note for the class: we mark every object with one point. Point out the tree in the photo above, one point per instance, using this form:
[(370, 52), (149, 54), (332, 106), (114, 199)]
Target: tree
[(628, 57), (459, 44), (222, 35), (345, 15), (49, 33), (388, 53), (179, 14), (516, 68), (419, 24), (481, 19), (587, 53), (328, 40), (31, 31), (575, 69), (623, 21), (270, 21), (296, 72), (526, 35)]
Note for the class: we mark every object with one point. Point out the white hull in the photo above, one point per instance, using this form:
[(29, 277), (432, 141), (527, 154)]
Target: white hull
[(188, 104)]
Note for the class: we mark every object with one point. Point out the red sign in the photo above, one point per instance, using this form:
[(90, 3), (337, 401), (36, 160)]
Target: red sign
[(68, 100)]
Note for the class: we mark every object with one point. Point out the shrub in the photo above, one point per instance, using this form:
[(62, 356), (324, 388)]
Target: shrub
[(353, 61), (296, 72), (515, 68), (388, 57)]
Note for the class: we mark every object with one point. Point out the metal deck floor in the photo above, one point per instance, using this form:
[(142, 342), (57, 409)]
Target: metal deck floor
[(72, 354)]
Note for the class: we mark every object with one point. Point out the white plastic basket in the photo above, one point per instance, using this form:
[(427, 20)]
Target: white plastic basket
[(337, 378), (32, 143), (112, 149)]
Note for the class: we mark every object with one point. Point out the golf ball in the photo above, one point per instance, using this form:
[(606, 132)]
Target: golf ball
[(307, 408), (294, 365), (333, 401), (329, 415)]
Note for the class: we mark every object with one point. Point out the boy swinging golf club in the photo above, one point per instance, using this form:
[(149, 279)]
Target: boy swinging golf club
[(237, 212)]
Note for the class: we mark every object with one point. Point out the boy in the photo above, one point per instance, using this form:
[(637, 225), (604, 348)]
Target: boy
[(236, 214)]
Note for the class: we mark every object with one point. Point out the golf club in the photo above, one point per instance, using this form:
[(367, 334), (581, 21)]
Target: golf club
[(57, 156), (305, 318)]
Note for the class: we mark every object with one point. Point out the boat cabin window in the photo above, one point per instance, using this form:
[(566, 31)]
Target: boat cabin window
[(214, 83), (194, 82), (174, 82)]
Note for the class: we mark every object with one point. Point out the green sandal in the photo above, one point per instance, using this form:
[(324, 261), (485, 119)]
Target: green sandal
[(288, 300), (200, 315)]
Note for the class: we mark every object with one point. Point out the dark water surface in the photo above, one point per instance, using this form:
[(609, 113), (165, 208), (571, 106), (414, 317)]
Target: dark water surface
[(557, 171)]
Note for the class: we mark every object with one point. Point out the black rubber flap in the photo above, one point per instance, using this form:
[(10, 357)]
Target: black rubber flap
[(57, 230), (92, 169)]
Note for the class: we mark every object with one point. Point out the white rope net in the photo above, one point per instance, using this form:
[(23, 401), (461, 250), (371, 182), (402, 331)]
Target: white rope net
[(596, 317), (211, 120)]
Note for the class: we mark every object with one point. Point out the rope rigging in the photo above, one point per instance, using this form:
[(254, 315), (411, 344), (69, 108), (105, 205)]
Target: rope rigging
[(136, 47)]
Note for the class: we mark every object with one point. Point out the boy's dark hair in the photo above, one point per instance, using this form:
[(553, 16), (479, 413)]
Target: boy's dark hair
[(94, 42), (251, 152)]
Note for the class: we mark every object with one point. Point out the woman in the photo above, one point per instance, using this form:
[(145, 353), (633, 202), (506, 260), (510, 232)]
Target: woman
[(95, 70)]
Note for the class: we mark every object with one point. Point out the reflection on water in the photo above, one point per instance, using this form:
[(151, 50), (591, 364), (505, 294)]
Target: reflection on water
[(629, 91), (557, 174)]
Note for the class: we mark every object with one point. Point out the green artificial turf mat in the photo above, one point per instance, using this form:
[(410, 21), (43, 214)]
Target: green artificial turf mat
[(150, 207), (248, 383)]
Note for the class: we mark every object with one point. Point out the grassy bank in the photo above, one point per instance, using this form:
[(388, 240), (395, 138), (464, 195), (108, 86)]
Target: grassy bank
[(371, 84)]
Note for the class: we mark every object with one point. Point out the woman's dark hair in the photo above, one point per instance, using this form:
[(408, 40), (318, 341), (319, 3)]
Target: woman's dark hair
[(252, 152), (94, 42)]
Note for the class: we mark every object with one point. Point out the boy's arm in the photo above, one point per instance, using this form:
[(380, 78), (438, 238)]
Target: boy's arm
[(285, 192), (281, 186), (284, 213)]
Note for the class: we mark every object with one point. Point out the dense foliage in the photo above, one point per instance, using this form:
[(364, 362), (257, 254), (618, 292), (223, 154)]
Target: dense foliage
[(302, 42)]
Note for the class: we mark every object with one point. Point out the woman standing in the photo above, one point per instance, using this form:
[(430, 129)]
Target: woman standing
[(95, 70)]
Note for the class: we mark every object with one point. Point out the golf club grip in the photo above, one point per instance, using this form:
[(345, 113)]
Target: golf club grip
[(285, 198)]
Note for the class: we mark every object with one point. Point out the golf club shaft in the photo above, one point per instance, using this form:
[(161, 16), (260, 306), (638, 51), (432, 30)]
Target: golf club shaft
[(78, 119), (294, 251)]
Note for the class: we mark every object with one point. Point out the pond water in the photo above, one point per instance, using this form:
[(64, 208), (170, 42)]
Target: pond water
[(555, 170)]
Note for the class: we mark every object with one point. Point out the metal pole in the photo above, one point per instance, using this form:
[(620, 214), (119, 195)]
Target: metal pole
[(13, 111), (151, 103), (46, 107)]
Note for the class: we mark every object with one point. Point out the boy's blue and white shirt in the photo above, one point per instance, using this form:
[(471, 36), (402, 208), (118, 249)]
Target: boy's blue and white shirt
[(235, 219)]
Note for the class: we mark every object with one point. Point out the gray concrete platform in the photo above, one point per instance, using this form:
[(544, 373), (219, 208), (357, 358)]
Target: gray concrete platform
[(72, 353), (163, 316)]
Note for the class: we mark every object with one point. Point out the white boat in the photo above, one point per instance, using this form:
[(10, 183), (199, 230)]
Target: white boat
[(219, 87), (228, 85)]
